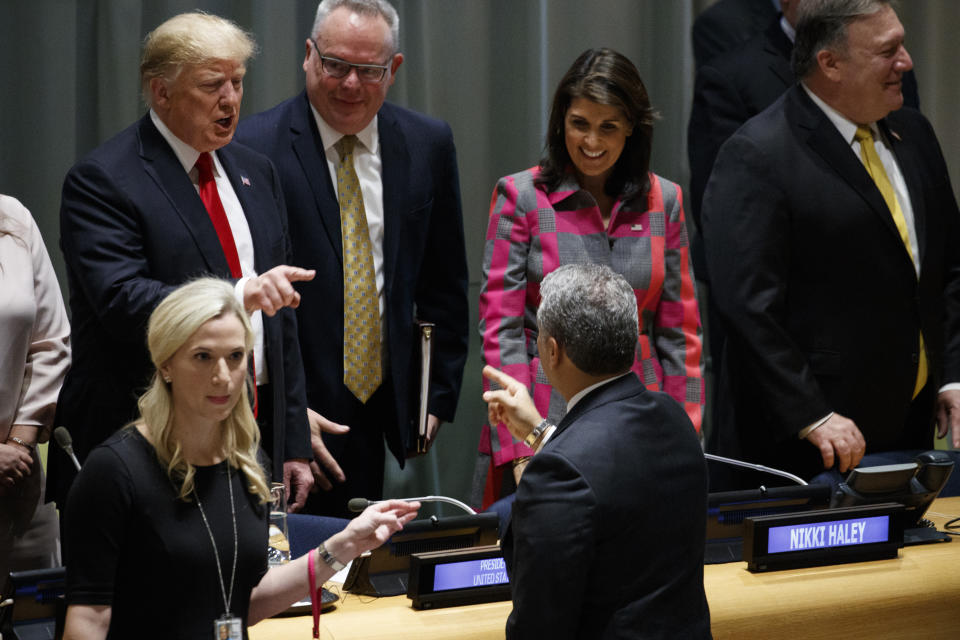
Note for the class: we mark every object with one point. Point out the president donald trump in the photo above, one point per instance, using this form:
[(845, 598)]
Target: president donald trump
[(166, 200)]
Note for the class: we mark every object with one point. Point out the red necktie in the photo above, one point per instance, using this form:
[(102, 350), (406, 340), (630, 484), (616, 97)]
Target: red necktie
[(211, 200)]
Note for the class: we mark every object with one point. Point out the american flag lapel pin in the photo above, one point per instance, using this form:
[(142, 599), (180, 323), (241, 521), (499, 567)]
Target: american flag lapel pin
[(245, 181)]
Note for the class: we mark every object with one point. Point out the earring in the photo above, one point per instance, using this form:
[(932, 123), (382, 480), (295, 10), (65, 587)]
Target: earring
[(166, 379)]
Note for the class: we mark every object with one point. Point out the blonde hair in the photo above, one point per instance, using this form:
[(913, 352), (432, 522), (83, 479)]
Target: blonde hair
[(171, 324), (191, 39)]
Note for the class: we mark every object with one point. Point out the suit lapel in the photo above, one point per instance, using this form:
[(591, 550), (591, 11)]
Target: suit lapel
[(308, 147), (252, 208), (161, 164), (827, 142), (395, 178)]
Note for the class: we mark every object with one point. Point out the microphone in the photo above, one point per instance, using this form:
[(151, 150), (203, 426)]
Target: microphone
[(756, 467), (359, 504), (62, 436)]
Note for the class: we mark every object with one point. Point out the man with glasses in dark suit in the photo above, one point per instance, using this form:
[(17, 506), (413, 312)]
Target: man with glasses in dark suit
[(374, 201)]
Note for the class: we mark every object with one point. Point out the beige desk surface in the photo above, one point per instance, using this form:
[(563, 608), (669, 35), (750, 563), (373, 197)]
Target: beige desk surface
[(916, 595)]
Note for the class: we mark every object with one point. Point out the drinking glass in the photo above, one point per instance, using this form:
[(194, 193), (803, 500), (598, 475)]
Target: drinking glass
[(278, 544)]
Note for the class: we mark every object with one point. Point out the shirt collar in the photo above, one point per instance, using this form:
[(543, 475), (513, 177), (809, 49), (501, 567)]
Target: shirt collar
[(844, 125), (788, 29), (186, 154), (577, 397), (369, 136)]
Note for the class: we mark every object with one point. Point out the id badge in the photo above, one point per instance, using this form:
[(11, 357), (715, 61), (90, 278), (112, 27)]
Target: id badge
[(227, 628)]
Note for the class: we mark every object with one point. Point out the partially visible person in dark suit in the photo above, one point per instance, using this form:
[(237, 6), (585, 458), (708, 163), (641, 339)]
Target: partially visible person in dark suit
[(607, 531), (374, 199), (831, 231), (727, 24), (166, 200), (732, 88)]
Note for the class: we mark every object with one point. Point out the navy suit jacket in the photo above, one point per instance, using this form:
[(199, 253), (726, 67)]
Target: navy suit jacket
[(607, 531), (729, 90), (133, 228), (425, 267), (821, 302)]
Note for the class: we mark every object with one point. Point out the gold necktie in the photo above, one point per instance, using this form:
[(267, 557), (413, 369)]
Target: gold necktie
[(361, 305), (871, 160)]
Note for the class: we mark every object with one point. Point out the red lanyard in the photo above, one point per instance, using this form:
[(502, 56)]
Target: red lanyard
[(315, 591)]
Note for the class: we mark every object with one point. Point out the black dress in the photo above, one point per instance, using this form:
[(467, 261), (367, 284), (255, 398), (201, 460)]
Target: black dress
[(132, 544)]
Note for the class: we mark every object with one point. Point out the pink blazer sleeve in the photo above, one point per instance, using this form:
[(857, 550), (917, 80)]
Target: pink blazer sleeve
[(508, 303), (677, 333)]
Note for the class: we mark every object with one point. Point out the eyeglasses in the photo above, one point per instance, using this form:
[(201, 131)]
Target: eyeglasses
[(337, 68)]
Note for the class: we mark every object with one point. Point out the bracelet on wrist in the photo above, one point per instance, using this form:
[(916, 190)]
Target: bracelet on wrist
[(329, 559), (23, 443), (538, 430)]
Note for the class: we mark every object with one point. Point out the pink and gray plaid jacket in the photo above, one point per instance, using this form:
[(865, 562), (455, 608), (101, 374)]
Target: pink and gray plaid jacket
[(532, 232)]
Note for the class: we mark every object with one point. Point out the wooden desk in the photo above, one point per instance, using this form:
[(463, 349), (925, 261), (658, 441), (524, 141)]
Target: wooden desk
[(915, 595)]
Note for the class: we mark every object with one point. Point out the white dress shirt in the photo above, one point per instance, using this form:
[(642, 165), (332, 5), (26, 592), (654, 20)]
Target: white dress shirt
[(369, 168), (239, 228)]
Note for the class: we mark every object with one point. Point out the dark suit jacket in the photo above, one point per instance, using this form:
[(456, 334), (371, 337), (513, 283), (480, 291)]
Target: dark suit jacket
[(726, 25), (133, 228), (822, 305), (729, 90), (423, 250), (735, 86), (607, 532)]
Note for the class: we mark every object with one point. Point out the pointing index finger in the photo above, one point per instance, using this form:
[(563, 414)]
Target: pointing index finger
[(501, 378), (297, 274)]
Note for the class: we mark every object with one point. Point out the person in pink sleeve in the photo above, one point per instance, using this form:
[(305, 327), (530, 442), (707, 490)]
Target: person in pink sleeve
[(592, 199)]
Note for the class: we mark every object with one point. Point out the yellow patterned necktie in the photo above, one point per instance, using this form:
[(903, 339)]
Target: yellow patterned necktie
[(361, 304), (871, 160)]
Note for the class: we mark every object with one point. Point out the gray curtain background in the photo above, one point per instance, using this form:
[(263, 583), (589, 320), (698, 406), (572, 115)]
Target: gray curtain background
[(69, 72)]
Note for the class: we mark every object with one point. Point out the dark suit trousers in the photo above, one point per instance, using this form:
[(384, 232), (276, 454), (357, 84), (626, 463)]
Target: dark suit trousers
[(360, 453)]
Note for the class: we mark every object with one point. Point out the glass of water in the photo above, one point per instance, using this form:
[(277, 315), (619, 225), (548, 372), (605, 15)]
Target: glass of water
[(278, 544)]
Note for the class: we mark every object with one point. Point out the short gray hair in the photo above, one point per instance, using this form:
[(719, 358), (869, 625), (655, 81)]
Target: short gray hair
[(380, 8), (822, 24), (591, 311)]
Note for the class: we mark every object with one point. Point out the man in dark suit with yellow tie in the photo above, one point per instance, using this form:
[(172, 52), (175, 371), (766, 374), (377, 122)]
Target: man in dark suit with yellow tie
[(373, 194), (831, 232)]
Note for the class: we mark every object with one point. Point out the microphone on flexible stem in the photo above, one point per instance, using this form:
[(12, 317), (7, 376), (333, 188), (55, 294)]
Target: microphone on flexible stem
[(359, 504), (756, 467), (62, 436)]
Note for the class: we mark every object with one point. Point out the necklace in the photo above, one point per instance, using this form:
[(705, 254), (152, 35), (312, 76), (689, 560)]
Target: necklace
[(227, 596)]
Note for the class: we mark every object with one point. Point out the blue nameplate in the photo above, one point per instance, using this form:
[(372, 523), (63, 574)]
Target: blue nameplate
[(829, 536), (457, 577)]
